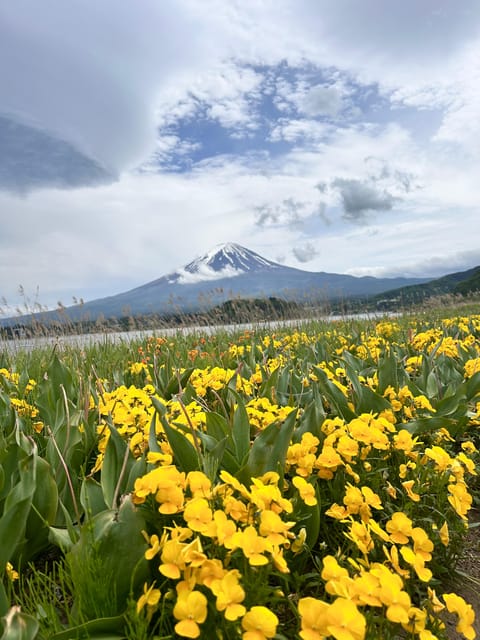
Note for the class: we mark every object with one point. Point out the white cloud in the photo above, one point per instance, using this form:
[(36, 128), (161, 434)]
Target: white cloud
[(305, 252), (322, 100), (349, 80), (295, 130), (90, 72)]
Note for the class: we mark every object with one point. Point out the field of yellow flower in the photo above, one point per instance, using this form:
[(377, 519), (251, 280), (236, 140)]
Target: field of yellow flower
[(313, 483)]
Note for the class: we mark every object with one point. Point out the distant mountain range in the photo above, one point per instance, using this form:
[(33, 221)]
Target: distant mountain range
[(458, 283), (229, 271)]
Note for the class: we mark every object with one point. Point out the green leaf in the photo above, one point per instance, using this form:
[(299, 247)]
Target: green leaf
[(269, 450), (176, 383), (184, 452), (240, 429), (43, 511), (369, 401), (427, 425), (312, 418), (388, 371), (114, 469), (101, 629), (216, 425), (19, 626), (17, 508), (334, 395), (91, 497), (153, 445), (472, 386), (107, 562)]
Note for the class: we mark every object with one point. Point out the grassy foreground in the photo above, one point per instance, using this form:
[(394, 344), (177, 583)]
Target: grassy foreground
[(315, 483)]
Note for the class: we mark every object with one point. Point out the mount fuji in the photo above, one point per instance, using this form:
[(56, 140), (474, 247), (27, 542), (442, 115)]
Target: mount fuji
[(228, 271)]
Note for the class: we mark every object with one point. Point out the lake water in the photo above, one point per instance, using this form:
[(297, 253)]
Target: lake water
[(90, 339)]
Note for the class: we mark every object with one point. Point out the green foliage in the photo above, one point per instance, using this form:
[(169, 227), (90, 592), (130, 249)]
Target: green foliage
[(107, 562), (73, 455)]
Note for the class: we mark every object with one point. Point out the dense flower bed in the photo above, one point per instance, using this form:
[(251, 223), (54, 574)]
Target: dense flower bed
[(313, 484)]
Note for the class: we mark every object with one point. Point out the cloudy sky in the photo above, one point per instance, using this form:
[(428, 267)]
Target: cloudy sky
[(330, 135)]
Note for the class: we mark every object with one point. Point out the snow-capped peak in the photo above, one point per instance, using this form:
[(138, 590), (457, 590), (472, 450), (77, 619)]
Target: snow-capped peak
[(223, 261)]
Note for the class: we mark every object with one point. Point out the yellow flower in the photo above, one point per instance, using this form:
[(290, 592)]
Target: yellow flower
[(403, 441), (221, 528), (166, 483), (198, 515), (466, 615), (399, 527), (371, 498), (469, 447), (337, 511), (229, 594), (366, 589), (252, 545), (444, 535), (259, 623), (416, 561), (274, 528), (347, 447), (306, 491), (422, 545), (199, 484), (397, 602), (149, 598), (154, 546), (265, 494), (313, 617), (471, 367), (328, 459), (191, 610), (459, 498), (210, 571), (437, 606), (407, 485), (422, 402), (344, 620), (441, 458), (11, 573), (336, 577), (360, 535), (392, 595), (353, 499), (417, 620), (299, 543)]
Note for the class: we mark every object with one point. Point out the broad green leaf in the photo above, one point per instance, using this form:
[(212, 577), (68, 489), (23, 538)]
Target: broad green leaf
[(91, 497), (43, 511), (153, 445), (100, 629), (427, 425), (115, 467), (269, 450), (185, 455), (472, 386), (19, 626), (17, 508), (107, 562), (240, 429), (388, 371), (176, 383), (311, 419), (334, 395), (217, 426), (370, 401)]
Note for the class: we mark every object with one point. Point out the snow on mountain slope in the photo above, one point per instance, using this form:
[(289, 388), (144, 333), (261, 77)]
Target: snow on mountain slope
[(223, 261)]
